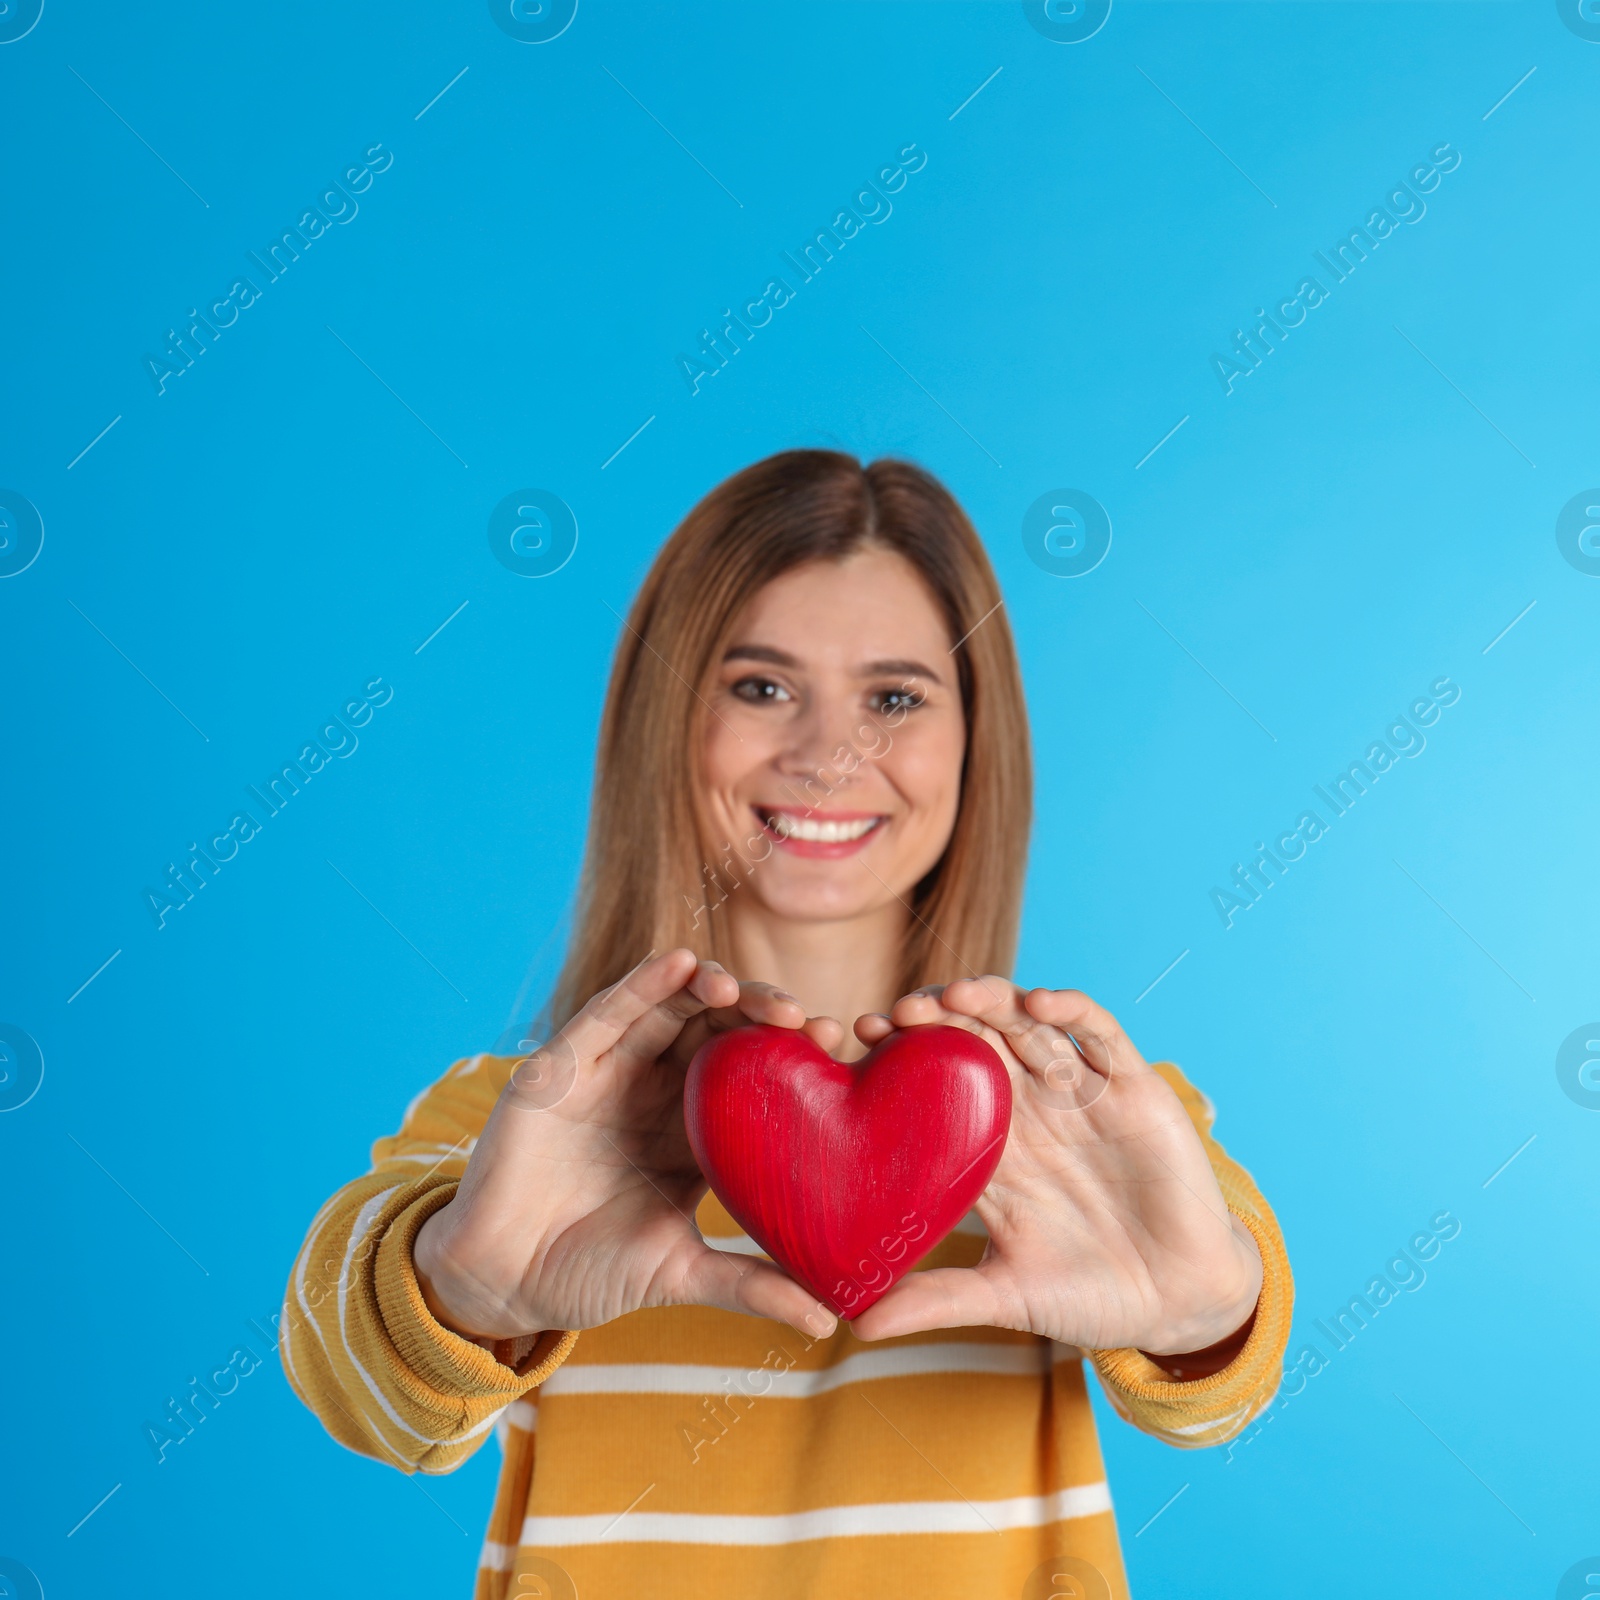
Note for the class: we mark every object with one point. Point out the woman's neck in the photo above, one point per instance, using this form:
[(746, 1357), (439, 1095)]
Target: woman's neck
[(834, 969)]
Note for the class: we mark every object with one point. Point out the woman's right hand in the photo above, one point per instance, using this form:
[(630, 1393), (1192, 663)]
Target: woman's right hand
[(577, 1205)]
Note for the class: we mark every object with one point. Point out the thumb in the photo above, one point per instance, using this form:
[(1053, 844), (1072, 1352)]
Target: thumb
[(756, 1288)]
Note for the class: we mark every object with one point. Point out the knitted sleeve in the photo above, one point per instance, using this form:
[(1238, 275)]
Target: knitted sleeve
[(357, 1340), (1206, 1411)]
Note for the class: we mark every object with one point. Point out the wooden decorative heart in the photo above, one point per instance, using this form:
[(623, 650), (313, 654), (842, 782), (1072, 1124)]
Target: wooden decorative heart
[(847, 1174)]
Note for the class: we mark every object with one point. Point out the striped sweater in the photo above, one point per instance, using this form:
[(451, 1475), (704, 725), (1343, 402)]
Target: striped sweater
[(690, 1452)]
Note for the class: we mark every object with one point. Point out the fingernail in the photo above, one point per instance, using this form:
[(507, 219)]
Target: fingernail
[(783, 994)]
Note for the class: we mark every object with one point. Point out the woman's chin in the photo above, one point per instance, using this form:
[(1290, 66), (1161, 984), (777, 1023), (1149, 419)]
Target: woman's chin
[(819, 902)]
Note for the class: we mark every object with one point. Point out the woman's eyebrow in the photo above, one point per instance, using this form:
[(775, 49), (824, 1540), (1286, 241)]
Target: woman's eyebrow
[(872, 669), (760, 652), (899, 669)]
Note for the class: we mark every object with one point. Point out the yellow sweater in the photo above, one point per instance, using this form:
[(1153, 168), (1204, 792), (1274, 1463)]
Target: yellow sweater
[(688, 1453)]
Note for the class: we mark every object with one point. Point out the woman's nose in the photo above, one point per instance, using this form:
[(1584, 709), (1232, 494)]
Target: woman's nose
[(823, 748)]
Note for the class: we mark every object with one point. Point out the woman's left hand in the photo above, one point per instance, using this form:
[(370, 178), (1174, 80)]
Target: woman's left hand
[(1106, 1225)]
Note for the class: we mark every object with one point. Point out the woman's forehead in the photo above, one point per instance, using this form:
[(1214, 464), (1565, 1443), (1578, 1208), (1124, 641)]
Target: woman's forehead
[(871, 608)]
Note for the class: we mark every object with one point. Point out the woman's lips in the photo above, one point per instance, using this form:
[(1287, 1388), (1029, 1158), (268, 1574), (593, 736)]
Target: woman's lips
[(820, 835)]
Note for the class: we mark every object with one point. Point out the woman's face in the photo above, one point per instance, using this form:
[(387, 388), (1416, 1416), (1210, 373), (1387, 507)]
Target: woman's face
[(835, 741)]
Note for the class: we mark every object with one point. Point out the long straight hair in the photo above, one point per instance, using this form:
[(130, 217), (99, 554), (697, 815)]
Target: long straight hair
[(650, 872)]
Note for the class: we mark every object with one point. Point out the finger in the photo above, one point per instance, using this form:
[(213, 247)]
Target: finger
[(710, 988), (714, 984), (943, 1297), (1097, 1032), (917, 1009), (1052, 1052), (755, 1002), (873, 1028), (922, 1009), (738, 1283), (996, 1001), (827, 1033), (604, 1020)]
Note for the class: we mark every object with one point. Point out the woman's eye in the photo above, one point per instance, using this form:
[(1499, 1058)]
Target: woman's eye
[(760, 691), (885, 701)]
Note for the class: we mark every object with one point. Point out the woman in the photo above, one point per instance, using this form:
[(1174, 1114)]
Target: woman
[(810, 810)]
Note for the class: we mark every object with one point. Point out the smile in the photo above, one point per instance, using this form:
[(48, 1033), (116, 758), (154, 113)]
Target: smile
[(812, 834)]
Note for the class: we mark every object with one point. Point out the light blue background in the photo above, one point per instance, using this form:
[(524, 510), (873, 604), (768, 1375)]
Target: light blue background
[(278, 529)]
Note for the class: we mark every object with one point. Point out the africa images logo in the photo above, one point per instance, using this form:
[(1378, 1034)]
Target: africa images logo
[(1403, 737), (336, 204), (1403, 203), (870, 203)]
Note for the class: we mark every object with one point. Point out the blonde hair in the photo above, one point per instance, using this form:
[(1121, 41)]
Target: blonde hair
[(647, 864)]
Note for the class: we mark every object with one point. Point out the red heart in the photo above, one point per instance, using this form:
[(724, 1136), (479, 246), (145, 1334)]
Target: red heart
[(847, 1174)]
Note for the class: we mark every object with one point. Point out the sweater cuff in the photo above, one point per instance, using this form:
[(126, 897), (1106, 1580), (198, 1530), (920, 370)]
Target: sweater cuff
[(1207, 1410), (442, 1358)]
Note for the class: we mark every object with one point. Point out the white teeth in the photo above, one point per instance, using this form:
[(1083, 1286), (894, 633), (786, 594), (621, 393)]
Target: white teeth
[(818, 832)]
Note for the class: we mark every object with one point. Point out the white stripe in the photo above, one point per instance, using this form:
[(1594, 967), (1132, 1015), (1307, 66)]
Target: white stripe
[(316, 1224), (357, 1233), (459, 1070), (286, 1345), (519, 1415), (313, 1242), (738, 1244), (363, 1218), (297, 1279), (1225, 1421), (316, 1328), (497, 1557), (433, 1154), (830, 1522), (900, 1361)]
